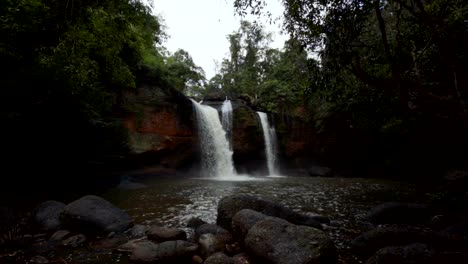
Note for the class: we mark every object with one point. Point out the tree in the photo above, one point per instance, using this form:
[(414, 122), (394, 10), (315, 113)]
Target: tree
[(184, 74)]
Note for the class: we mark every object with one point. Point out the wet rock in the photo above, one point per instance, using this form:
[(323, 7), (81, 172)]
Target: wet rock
[(162, 234), (369, 242), (108, 243), (275, 240), (319, 171), (74, 241), (134, 244), (47, 215), (410, 254), (219, 258), (319, 218), (209, 245), (221, 234), (59, 236), (228, 206), (197, 260), (167, 252), (195, 222), (137, 231), (38, 259), (94, 214), (400, 213), (242, 258), (243, 221)]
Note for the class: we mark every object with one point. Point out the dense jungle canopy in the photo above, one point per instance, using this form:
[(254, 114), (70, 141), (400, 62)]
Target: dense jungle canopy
[(384, 82)]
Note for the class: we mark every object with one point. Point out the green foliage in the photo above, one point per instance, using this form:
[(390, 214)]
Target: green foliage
[(67, 70), (393, 72)]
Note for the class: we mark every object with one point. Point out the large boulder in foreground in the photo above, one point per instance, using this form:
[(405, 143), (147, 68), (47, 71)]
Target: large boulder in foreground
[(228, 206), (47, 215), (410, 254), (275, 240), (93, 214)]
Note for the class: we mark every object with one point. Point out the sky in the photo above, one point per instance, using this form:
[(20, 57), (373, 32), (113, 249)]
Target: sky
[(200, 27)]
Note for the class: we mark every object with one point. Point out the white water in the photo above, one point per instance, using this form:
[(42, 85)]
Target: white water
[(269, 137), (226, 120), (216, 155)]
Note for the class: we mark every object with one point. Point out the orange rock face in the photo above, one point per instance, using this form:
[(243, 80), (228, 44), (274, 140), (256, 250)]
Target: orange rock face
[(162, 123)]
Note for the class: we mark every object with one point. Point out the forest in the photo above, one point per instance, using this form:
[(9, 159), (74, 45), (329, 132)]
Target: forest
[(371, 90), (386, 80)]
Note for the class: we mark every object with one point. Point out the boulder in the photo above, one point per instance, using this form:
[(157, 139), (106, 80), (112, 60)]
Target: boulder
[(209, 245), (162, 234), (219, 258), (167, 252), (228, 206), (400, 213), (221, 234), (47, 215), (410, 254), (195, 222), (134, 244), (243, 221), (369, 242), (275, 240), (94, 214)]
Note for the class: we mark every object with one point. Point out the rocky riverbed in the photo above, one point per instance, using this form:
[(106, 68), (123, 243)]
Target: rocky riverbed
[(258, 220)]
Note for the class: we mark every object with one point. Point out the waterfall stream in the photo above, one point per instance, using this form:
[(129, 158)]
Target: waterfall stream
[(216, 154), (226, 120), (269, 137)]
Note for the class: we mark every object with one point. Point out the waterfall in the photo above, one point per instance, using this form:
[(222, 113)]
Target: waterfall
[(269, 137), (226, 119), (216, 155)]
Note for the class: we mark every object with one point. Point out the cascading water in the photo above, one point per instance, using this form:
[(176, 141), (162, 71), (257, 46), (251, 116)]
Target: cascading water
[(226, 120), (216, 155), (269, 136)]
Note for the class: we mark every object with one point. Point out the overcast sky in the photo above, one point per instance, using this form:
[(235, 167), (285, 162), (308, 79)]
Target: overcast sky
[(201, 26)]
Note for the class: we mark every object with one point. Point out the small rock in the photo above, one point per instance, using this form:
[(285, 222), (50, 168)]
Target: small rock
[(109, 243), (137, 231), (219, 258), (39, 259), (197, 259), (162, 234), (242, 258), (243, 221), (59, 236), (74, 241), (167, 252)]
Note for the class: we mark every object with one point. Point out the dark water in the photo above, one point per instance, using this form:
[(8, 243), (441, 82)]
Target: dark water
[(173, 201)]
